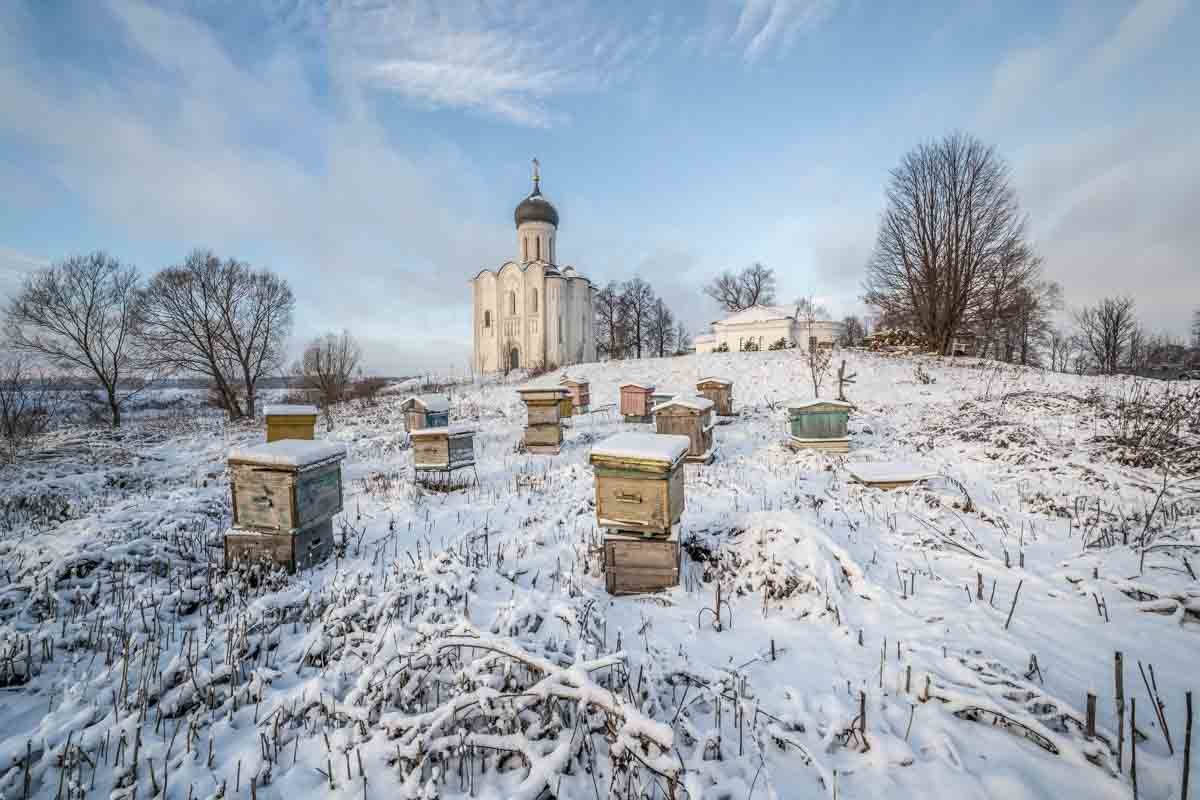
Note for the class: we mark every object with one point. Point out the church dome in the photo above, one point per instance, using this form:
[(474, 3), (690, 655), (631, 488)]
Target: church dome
[(535, 208)]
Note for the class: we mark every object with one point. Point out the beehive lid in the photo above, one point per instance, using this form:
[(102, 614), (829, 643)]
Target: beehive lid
[(568, 381), (542, 389), (639, 386), (889, 472), (714, 382), (803, 405), (289, 453), (694, 404), (646, 448), (457, 429), (428, 402), (287, 410)]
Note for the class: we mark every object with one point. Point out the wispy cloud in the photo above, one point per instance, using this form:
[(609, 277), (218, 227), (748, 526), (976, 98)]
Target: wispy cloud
[(1138, 29), (768, 27)]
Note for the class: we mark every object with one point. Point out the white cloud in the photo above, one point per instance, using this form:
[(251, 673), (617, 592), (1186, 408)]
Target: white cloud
[(766, 27), (1138, 29)]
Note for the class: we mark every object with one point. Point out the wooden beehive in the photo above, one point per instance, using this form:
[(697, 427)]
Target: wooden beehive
[(290, 422), (543, 425), (636, 405), (444, 449), (635, 565), (285, 495), (580, 397), (639, 482), (819, 425), (888, 474), (691, 417), (426, 411), (720, 392)]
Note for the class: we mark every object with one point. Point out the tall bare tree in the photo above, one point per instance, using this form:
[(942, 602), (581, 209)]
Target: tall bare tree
[(1061, 348), (637, 303), (609, 320), (221, 319), (328, 366), (80, 315), (1105, 331), (754, 285), (853, 331), (661, 329), (951, 222), (683, 339)]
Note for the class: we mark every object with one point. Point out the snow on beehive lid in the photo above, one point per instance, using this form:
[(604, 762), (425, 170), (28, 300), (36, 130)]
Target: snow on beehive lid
[(430, 402), (718, 381), (288, 410), (657, 447), (889, 472), (296, 453), (700, 404), (648, 387), (798, 405), (457, 429)]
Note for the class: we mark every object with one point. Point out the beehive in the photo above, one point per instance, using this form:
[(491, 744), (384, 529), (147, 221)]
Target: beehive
[(543, 424), (426, 411), (819, 425), (290, 422), (636, 403), (444, 449), (285, 495), (580, 398), (720, 391), (639, 482), (634, 565), (691, 417)]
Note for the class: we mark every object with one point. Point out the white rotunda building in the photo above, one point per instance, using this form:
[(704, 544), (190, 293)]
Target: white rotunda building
[(532, 312)]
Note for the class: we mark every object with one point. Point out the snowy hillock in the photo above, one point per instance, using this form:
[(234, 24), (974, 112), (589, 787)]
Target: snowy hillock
[(827, 638)]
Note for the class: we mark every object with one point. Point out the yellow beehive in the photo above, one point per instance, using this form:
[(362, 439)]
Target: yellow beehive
[(290, 421), (639, 482)]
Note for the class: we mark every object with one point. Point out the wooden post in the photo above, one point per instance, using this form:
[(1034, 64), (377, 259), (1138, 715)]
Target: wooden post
[(1119, 678), (1091, 715), (978, 585), (1187, 749), (1014, 604), (1133, 744)]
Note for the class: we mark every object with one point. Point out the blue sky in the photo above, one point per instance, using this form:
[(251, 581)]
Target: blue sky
[(372, 152)]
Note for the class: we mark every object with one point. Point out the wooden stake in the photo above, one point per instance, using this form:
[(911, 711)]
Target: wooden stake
[(1014, 604), (1091, 715), (1133, 744), (1187, 748), (1119, 678)]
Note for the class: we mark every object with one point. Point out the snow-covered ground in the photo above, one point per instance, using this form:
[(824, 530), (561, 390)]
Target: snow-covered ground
[(462, 643)]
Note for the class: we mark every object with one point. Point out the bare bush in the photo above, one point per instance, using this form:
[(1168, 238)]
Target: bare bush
[(328, 367), (1148, 421), (27, 404), (1106, 331)]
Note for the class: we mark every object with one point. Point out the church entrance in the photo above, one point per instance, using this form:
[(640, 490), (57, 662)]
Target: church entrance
[(514, 359)]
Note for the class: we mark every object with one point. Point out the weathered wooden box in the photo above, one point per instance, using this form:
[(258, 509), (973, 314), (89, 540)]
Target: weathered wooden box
[(543, 409), (639, 482), (426, 411), (294, 551), (290, 422), (289, 488), (636, 566), (720, 391), (636, 403), (444, 449), (819, 425), (691, 417), (580, 394)]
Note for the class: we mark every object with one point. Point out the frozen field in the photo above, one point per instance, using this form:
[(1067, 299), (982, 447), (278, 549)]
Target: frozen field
[(462, 643)]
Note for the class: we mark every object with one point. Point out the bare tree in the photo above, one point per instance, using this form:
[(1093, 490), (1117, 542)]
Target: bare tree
[(609, 321), (1061, 348), (328, 366), (1106, 330), (807, 308), (637, 303), (951, 222), (220, 319), (853, 331), (28, 401), (754, 285), (661, 328), (80, 315), (683, 339)]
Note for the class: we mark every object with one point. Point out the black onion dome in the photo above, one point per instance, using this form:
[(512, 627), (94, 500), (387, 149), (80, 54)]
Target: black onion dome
[(535, 208)]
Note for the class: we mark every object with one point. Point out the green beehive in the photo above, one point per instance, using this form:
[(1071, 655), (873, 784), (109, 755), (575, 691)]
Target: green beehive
[(819, 425)]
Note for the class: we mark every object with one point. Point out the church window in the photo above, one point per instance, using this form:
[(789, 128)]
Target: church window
[(539, 248), (535, 301), (560, 330), (487, 319), (524, 248), (512, 303)]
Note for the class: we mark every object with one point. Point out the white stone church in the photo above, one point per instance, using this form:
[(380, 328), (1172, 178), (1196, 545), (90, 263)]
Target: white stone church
[(532, 312)]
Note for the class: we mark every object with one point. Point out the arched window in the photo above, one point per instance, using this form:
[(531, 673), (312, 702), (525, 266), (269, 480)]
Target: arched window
[(539, 248), (535, 301), (550, 244), (512, 303), (487, 319), (524, 248)]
